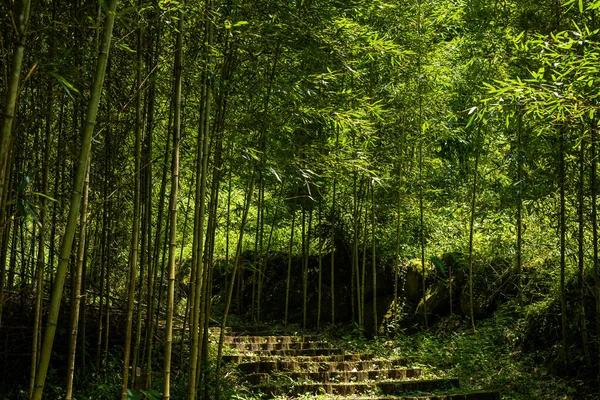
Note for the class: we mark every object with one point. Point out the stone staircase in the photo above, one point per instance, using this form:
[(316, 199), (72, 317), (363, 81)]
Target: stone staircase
[(293, 366)]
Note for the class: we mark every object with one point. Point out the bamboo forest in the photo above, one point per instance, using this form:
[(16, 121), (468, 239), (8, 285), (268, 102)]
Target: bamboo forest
[(299, 199)]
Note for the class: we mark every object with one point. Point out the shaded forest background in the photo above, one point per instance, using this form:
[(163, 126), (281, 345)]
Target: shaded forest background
[(164, 164)]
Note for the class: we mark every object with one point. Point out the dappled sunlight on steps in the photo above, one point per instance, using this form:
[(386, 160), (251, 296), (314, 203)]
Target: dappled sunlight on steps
[(296, 366)]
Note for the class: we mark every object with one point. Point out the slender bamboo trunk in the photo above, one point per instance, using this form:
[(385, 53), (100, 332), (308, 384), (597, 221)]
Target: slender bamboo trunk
[(107, 301), (103, 256), (209, 253), (363, 275), (519, 203), (163, 263), (289, 267), (307, 257), (135, 239), (178, 68), (219, 130), (203, 144), (563, 246), (471, 228), (238, 254), (78, 184), (581, 255), (147, 250), (332, 266), (374, 259), (58, 183), (355, 275), (22, 11), (103, 349), (152, 251), (84, 301), (397, 263), (261, 230), (41, 259), (594, 193), (255, 261), (5, 227), (75, 308), (274, 222), (183, 241), (320, 264), (158, 258), (304, 267), (421, 181)]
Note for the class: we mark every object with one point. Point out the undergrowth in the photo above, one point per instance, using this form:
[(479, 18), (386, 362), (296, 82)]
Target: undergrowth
[(490, 359)]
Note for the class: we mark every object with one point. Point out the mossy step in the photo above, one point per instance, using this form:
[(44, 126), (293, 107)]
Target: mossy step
[(296, 353), (246, 358), (271, 339), (292, 365), (337, 377), (262, 331), (391, 388), (216, 330), (279, 346), (486, 395)]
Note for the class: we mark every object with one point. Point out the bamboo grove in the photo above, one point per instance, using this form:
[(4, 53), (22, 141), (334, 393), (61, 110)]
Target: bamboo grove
[(166, 166)]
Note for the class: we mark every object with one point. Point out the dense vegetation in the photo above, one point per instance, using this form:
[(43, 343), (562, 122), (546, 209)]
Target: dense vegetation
[(410, 167)]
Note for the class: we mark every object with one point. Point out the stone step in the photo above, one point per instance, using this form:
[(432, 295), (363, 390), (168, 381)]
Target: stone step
[(339, 376), (291, 365), (246, 358), (261, 330), (272, 339), (279, 346), (296, 353), (392, 388), (216, 330)]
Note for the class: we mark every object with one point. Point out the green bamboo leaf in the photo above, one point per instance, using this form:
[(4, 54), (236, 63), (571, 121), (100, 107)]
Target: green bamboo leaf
[(275, 174), (25, 183), (104, 6), (471, 119), (45, 196), (67, 86), (127, 10), (439, 264), (125, 47), (132, 395), (152, 394)]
